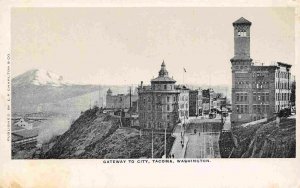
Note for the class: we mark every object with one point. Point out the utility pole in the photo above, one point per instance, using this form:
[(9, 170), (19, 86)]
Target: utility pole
[(152, 149), (99, 96), (165, 141), (130, 106)]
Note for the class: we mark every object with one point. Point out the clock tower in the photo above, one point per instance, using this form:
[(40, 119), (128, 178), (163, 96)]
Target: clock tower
[(241, 72)]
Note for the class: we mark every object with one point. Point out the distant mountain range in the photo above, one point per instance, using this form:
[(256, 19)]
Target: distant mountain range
[(43, 91)]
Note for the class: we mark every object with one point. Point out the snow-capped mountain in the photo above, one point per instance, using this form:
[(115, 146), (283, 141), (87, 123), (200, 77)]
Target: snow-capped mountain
[(40, 77), (40, 90)]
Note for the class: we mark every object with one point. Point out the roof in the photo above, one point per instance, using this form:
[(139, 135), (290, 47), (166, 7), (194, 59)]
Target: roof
[(284, 64), (163, 79), (163, 75), (242, 21), (27, 133)]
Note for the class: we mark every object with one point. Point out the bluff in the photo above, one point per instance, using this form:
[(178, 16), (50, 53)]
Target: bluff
[(98, 135), (265, 140)]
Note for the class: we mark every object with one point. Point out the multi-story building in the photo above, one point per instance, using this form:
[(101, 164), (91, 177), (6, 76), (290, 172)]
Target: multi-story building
[(257, 91), (183, 102), (195, 102), (207, 100), (120, 101), (158, 103)]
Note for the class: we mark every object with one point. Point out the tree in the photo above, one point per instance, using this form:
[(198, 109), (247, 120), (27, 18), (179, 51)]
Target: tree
[(293, 93)]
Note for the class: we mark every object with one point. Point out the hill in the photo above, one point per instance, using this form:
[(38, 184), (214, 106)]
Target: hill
[(265, 140), (98, 135)]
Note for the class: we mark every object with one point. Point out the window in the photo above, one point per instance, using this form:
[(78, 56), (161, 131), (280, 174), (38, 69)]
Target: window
[(241, 33), (263, 98), (237, 97), (168, 107), (168, 99), (267, 108), (267, 97), (165, 86), (246, 109)]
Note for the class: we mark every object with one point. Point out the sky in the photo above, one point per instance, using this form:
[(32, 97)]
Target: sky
[(117, 46)]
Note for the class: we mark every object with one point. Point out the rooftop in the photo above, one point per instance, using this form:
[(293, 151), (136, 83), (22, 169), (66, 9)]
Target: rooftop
[(241, 21), (27, 133), (163, 75)]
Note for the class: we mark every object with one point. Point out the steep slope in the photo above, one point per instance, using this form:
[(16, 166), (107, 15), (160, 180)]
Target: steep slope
[(261, 141), (97, 135)]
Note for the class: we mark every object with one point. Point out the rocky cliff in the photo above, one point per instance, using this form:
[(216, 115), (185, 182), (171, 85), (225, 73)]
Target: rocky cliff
[(266, 140), (98, 135)]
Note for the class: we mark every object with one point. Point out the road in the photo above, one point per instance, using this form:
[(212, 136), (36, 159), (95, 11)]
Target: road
[(205, 144)]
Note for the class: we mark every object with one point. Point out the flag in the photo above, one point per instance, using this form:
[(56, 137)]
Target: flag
[(184, 69)]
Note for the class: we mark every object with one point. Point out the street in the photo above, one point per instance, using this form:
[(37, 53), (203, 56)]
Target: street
[(205, 144)]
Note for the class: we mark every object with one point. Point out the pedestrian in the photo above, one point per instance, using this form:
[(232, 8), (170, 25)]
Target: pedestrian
[(182, 145), (172, 155), (199, 133)]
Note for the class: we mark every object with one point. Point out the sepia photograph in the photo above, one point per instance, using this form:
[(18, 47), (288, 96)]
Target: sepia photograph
[(153, 83)]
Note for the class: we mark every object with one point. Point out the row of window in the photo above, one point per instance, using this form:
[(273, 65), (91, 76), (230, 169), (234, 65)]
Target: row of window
[(261, 109), (282, 96), (242, 33), (240, 97), (260, 74), (260, 85), (145, 116), (241, 67), (184, 98), (261, 97), (158, 98), (257, 85), (184, 113), (150, 125), (167, 107), (244, 109), (282, 74), (282, 85), (182, 106), (165, 87)]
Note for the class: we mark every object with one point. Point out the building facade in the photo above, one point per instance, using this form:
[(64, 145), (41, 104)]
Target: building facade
[(183, 103), (120, 101), (158, 103), (207, 100), (195, 102), (257, 91)]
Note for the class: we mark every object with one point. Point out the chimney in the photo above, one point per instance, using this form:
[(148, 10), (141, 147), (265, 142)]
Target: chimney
[(141, 84)]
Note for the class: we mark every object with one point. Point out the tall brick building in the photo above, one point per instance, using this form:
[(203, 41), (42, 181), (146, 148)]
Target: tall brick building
[(257, 91)]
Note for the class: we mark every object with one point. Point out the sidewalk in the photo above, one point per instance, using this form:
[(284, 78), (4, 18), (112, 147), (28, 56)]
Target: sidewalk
[(177, 150)]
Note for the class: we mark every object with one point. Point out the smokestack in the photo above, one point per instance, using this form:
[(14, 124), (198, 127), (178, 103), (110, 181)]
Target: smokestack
[(141, 84)]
